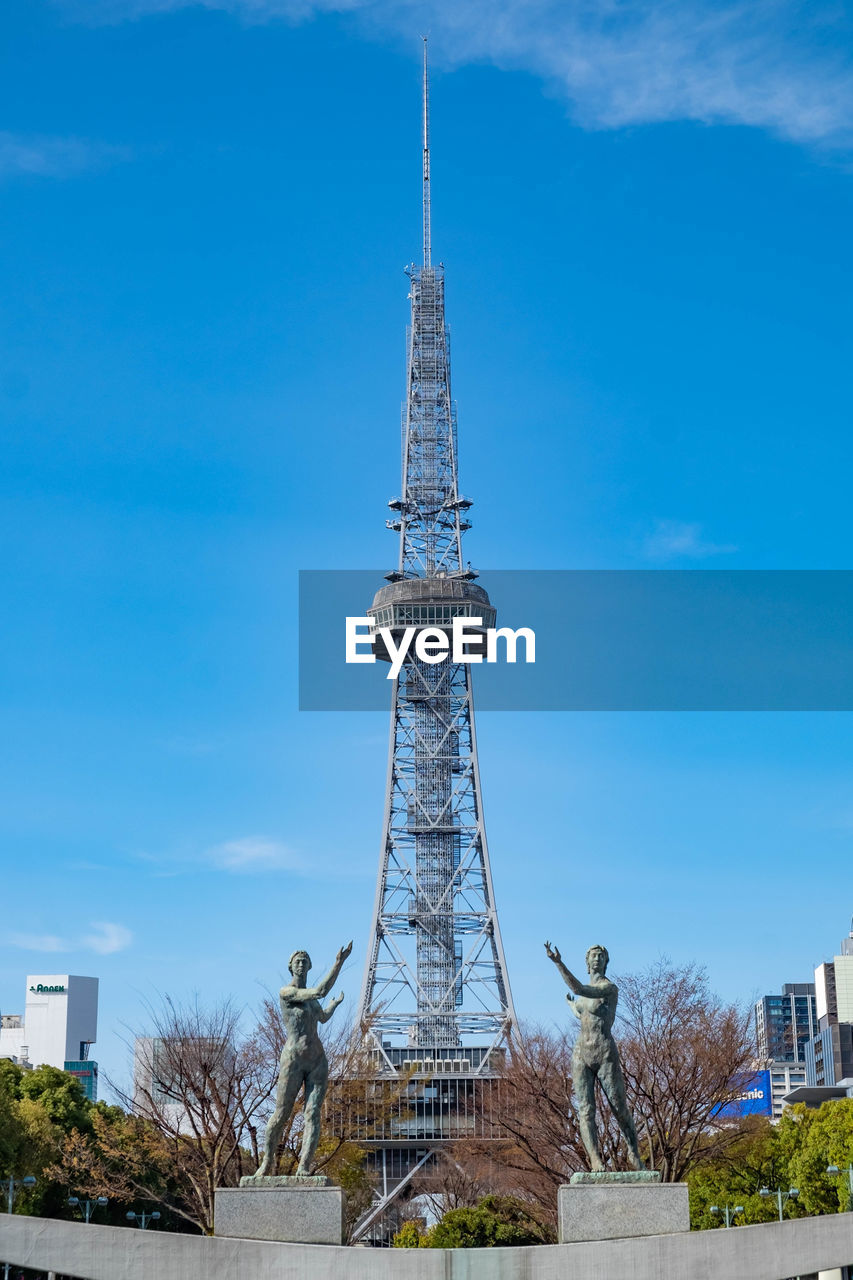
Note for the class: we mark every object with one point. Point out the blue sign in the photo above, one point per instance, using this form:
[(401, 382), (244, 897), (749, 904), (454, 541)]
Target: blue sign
[(753, 1097)]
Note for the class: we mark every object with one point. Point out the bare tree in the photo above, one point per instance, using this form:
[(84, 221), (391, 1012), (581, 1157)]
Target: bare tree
[(457, 1178), (203, 1091), (190, 1123), (685, 1054), (540, 1147)]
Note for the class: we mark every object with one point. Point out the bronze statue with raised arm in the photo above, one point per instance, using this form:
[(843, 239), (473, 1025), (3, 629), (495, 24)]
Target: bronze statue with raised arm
[(595, 1054), (303, 1058)]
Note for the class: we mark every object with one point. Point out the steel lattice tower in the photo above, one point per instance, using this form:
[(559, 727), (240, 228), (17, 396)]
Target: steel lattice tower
[(435, 997)]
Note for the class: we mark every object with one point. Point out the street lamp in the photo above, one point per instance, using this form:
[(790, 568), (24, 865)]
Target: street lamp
[(782, 1197), (88, 1206), (833, 1168), (142, 1219), (12, 1186), (728, 1213)]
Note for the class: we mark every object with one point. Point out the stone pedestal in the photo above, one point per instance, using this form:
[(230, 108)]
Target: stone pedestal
[(610, 1206), (299, 1210)]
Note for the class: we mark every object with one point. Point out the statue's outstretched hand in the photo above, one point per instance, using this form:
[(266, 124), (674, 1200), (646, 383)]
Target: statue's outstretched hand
[(553, 953), (330, 1008), (344, 953)]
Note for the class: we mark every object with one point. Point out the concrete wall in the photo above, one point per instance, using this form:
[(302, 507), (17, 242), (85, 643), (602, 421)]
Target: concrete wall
[(772, 1251)]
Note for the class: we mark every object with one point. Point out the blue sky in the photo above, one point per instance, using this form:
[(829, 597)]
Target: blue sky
[(644, 210)]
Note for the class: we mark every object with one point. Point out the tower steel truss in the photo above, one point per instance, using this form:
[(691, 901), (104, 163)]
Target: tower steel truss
[(435, 996)]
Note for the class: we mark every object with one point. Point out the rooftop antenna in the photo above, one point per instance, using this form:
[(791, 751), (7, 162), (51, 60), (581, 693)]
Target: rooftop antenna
[(427, 227)]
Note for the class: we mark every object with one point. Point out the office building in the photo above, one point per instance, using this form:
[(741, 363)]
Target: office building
[(58, 1027), (829, 1052), (176, 1079), (784, 1077), (829, 1055), (784, 1023)]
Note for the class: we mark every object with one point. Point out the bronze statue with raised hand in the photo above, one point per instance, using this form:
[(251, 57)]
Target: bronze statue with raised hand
[(595, 1054), (303, 1058)]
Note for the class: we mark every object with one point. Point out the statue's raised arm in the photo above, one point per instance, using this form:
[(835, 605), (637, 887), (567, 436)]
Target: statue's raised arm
[(296, 994), (325, 985), (574, 984)]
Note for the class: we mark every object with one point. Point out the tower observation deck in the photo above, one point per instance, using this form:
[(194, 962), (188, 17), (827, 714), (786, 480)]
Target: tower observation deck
[(435, 1001)]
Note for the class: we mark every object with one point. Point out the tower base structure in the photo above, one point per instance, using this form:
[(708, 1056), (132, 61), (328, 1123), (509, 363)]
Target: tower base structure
[(447, 1094), (613, 1206)]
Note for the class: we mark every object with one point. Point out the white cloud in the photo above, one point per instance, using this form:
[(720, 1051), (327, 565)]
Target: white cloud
[(254, 853), (37, 942), (107, 938), (53, 157), (773, 64), (672, 539)]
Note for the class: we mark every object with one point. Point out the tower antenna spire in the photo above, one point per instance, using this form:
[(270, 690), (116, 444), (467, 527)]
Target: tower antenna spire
[(427, 216)]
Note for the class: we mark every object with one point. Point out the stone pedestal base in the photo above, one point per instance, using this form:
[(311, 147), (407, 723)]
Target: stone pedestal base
[(610, 1206), (296, 1210)]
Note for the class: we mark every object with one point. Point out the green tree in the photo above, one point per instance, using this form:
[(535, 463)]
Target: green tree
[(12, 1131), (824, 1137), (410, 1236), (60, 1094), (759, 1158), (496, 1222), (37, 1110), (124, 1157), (48, 1128), (348, 1168)]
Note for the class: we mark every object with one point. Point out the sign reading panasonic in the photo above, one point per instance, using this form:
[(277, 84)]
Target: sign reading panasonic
[(754, 1098), (433, 644)]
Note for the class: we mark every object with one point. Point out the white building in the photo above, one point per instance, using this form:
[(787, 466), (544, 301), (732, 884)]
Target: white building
[(829, 1053), (180, 1082), (58, 1026), (834, 989), (784, 1076), (154, 1094)]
